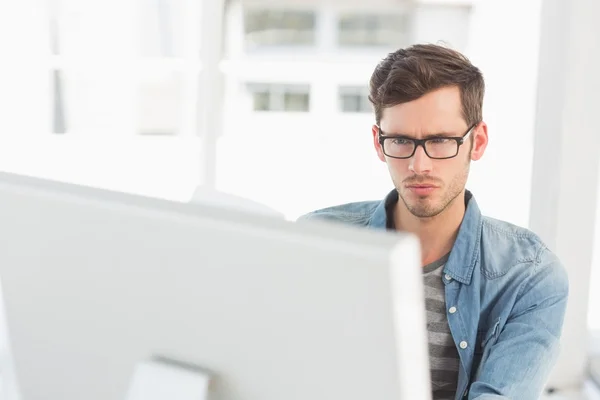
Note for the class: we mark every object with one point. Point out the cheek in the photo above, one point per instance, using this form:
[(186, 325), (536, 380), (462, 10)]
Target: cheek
[(397, 168), (452, 170), (466, 150), (458, 172), (456, 165)]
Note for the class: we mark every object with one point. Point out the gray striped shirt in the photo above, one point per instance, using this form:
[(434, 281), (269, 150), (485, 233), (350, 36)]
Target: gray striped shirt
[(443, 355)]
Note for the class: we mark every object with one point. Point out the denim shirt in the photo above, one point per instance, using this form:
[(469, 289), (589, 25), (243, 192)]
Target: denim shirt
[(510, 294)]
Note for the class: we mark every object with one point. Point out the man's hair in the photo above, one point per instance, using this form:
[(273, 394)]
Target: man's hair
[(408, 74)]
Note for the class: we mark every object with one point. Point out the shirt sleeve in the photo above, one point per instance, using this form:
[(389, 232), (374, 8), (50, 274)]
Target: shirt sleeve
[(519, 363)]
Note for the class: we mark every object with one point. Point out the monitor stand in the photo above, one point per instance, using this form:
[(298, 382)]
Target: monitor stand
[(168, 379)]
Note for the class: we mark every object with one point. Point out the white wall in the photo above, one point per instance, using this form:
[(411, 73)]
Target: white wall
[(24, 78), (448, 24), (594, 301), (566, 162), (503, 43), (163, 167)]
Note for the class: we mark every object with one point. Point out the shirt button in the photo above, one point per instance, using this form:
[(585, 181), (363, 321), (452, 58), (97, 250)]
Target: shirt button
[(452, 310), (463, 345), (448, 277)]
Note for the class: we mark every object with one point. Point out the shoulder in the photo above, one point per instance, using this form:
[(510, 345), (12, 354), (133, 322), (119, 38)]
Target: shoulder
[(522, 244), (357, 213), (508, 248)]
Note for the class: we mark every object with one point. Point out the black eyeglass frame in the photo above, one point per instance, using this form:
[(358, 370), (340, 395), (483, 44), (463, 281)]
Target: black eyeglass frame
[(460, 140)]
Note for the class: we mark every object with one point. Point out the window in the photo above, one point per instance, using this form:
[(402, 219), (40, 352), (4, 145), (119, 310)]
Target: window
[(162, 28), (268, 28), (160, 104), (373, 30), (91, 102), (59, 124), (138, 81), (446, 23), (354, 99), (53, 26), (280, 97)]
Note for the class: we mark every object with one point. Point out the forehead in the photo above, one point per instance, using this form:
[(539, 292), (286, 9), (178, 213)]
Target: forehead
[(435, 112)]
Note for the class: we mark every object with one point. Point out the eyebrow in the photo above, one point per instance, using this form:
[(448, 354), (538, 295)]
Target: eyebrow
[(430, 136)]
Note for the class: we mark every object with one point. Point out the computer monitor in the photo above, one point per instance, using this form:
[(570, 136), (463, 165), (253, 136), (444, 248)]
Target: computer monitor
[(96, 282)]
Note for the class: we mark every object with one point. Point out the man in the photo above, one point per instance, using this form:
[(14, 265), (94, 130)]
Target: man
[(495, 295)]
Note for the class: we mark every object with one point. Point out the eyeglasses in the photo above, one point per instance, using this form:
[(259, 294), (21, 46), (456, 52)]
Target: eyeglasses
[(438, 148)]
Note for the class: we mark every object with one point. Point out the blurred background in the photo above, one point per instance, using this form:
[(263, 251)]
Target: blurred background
[(262, 99)]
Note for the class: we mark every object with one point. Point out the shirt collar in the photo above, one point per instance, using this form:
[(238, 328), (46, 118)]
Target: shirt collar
[(379, 219), (465, 251)]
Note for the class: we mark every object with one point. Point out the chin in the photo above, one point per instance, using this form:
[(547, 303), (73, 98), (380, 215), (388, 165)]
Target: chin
[(424, 212), (425, 207)]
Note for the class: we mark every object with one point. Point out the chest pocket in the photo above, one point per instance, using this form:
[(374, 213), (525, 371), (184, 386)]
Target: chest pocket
[(485, 340)]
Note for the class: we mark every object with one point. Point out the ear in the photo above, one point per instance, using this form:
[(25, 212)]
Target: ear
[(378, 149), (480, 141)]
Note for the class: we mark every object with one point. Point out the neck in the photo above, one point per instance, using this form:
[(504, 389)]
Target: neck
[(436, 234)]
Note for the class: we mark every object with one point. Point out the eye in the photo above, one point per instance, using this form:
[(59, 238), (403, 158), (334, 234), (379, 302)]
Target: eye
[(440, 140), (401, 141)]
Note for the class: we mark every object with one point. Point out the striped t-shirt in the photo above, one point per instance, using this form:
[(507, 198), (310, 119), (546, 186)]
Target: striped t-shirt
[(444, 360), (443, 355)]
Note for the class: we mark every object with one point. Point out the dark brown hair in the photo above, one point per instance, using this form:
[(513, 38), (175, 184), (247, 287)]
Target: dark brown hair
[(410, 73)]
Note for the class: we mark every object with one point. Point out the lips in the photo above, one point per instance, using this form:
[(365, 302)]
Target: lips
[(421, 186), (422, 189)]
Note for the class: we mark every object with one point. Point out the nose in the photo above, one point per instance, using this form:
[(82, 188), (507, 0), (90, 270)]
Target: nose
[(420, 163)]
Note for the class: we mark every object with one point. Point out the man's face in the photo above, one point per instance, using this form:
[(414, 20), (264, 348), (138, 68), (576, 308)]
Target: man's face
[(428, 186)]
